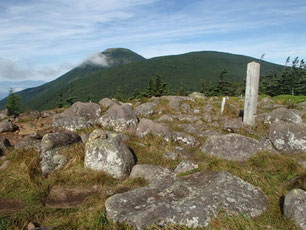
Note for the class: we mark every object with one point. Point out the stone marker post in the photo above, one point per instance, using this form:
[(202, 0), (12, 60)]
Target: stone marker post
[(251, 93)]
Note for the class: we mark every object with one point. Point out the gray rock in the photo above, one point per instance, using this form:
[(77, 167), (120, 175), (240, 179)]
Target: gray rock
[(146, 109), (54, 140), (186, 108), (185, 166), (84, 137), (171, 156), (4, 146), (181, 152), (175, 101), (197, 95), (7, 126), (266, 103), (107, 103), (301, 105), (29, 143), (165, 117), (185, 139), (3, 114), (4, 164), (234, 147), (233, 124), (192, 201), (107, 152), (295, 207), (52, 160), (79, 116), (147, 126), (151, 173), (119, 118), (208, 133), (282, 114), (288, 137), (302, 162), (187, 118)]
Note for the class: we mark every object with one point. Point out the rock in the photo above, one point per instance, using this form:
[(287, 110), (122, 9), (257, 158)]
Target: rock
[(147, 126), (191, 201), (107, 103), (185, 139), (175, 101), (171, 156), (31, 226), (181, 152), (151, 173), (234, 147), (145, 110), (54, 140), (107, 152), (29, 142), (79, 116), (189, 128), (7, 126), (295, 207), (165, 117), (52, 160), (187, 118), (30, 115), (10, 207), (208, 133), (197, 95), (288, 137), (4, 146), (84, 137), (4, 164), (302, 162), (301, 105), (120, 118), (4, 114), (266, 103), (185, 166), (186, 108), (282, 114), (233, 124)]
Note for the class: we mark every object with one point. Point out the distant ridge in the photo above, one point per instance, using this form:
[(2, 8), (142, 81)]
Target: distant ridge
[(128, 70)]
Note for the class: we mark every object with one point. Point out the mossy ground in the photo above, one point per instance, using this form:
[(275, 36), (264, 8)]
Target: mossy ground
[(22, 180)]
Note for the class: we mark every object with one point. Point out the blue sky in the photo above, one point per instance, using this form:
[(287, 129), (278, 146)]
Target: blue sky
[(42, 39)]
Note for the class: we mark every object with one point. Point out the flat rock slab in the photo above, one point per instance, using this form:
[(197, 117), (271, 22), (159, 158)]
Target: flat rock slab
[(9, 207), (60, 197), (191, 201)]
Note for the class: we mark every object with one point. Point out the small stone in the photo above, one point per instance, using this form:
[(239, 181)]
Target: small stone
[(185, 166), (171, 155)]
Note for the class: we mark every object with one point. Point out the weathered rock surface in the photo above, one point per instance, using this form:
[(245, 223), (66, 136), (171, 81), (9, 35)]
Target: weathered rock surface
[(282, 114), (288, 137), (171, 156), (197, 95), (185, 166), (4, 146), (234, 147), (107, 152), (233, 124), (9, 206), (29, 142), (52, 160), (79, 116), (7, 126), (3, 114), (107, 103), (146, 109), (54, 140), (150, 173), (120, 118), (4, 164), (295, 207), (147, 126), (175, 101), (186, 108), (185, 139), (187, 118), (165, 117), (191, 201)]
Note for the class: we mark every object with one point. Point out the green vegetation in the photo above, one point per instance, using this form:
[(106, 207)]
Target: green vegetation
[(190, 69), (13, 103)]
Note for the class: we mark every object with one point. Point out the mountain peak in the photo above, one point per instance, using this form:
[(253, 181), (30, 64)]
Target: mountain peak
[(113, 57)]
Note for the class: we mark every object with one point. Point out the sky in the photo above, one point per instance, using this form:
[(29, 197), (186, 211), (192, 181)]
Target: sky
[(42, 39)]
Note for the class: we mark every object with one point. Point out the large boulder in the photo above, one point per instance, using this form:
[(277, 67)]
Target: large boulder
[(119, 118), (197, 95), (151, 173), (29, 142), (79, 116), (106, 103), (7, 126), (51, 145), (146, 109), (146, 127), (234, 147), (4, 114), (295, 207), (288, 137), (106, 151), (283, 115), (191, 201), (175, 101)]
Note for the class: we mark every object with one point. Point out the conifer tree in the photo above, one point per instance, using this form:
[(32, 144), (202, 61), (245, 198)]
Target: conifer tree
[(71, 98), (13, 103)]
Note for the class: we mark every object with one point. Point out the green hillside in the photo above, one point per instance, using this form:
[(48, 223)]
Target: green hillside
[(97, 82)]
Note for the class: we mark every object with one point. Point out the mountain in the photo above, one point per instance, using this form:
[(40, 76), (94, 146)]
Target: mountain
[(17, 86), (100, 76)]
